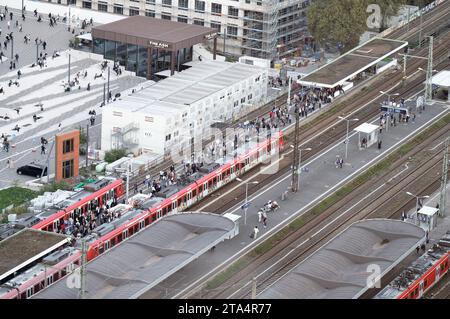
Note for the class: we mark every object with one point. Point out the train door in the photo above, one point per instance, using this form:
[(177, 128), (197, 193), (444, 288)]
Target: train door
[(194, 196), (56, 225), (30, 292), (125, 234), (107, 245), (49, 280), (205, 188), (159, 213), (189, 199), (142, 224), (438, 274), (420, 290)]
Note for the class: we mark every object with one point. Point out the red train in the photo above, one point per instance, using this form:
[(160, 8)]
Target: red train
[(134, 220), (103, 191), (423, 274)]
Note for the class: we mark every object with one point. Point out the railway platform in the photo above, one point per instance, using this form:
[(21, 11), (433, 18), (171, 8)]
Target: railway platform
[(319, 178)]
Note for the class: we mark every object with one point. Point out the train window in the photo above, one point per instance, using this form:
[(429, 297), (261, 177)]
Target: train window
[(119, 238), (147, 221), (209, 183), (164, 211), (179, 202), (49, 280), (36, 287), (135, 229), (169, 207), (194, 192), (184, 199), (214, 180), (153, 217), (56, 276), (425, 283), (200, 189), (108, 244), (142, 224), (223, 175), (113, 241), (416, 291), (101, 250)]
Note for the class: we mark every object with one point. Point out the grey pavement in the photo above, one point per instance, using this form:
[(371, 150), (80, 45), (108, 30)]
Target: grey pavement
[(57, 38), (319, 178)]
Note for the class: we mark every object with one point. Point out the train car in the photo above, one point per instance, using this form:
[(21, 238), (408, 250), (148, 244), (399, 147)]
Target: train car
[(178, 200), (422, 275), (52, 268), (103, 191), (131, 220)]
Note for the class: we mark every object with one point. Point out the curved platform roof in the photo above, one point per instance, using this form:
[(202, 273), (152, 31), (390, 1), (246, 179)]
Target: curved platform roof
[(340, 268), (143, 261)]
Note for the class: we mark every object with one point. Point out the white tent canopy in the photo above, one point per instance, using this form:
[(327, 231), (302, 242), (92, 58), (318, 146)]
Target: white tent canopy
[(442, 79), (85, 36)]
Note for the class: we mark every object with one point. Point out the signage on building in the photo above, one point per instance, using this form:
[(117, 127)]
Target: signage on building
[(211, 35), (158, 44)]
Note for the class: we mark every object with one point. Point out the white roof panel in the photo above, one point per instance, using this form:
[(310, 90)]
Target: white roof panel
[(442, 79), (366, 128)]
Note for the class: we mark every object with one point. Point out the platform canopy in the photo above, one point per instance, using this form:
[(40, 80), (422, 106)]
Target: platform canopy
[(353, 62), (143, 261), (442, 79), (342, 267), (25, 248), (366, 128)]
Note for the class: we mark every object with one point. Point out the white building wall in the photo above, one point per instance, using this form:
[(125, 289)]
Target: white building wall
[(158, 131)]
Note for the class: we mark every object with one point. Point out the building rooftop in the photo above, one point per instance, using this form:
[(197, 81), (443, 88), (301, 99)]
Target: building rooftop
[(184, 88), (141, 262), (25, 247), (353, 62), (147, 31), (340, 269)]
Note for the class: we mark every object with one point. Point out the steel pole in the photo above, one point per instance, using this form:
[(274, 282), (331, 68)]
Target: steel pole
[(299, 168), (128, 180), (87, 145), (246, 198), (108, 82), (37, 52), (346, 140), (69, 70), (12, 49)]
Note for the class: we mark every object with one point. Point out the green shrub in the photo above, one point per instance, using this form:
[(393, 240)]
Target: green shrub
[(114, 155)]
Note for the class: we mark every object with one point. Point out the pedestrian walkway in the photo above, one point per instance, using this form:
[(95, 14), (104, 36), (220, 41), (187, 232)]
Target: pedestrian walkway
[(319, 178)]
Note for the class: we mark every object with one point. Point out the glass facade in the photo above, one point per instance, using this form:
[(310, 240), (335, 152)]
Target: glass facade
[(135, 58)]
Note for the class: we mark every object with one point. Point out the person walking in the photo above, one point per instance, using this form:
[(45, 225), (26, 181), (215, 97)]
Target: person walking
[(42, 149), (259, 216), (379, 144), (255, 232)]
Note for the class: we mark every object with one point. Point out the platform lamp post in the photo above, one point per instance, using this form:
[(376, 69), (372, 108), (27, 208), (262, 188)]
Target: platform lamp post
[(299, 170), (417, 199), (348, 127), (246, 197)]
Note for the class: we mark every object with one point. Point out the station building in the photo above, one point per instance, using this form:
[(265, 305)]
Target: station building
[(183, 107), (147, 46)]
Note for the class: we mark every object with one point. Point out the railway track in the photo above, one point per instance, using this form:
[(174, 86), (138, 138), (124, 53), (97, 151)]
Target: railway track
[(326, 130), (433, 21), (269, 267)]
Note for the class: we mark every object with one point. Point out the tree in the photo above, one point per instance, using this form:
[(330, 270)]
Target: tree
[(114, 155), (389, 8), (338, 23)]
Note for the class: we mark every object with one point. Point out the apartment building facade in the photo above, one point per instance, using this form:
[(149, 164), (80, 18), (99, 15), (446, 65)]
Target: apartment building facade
[(268, 29)]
